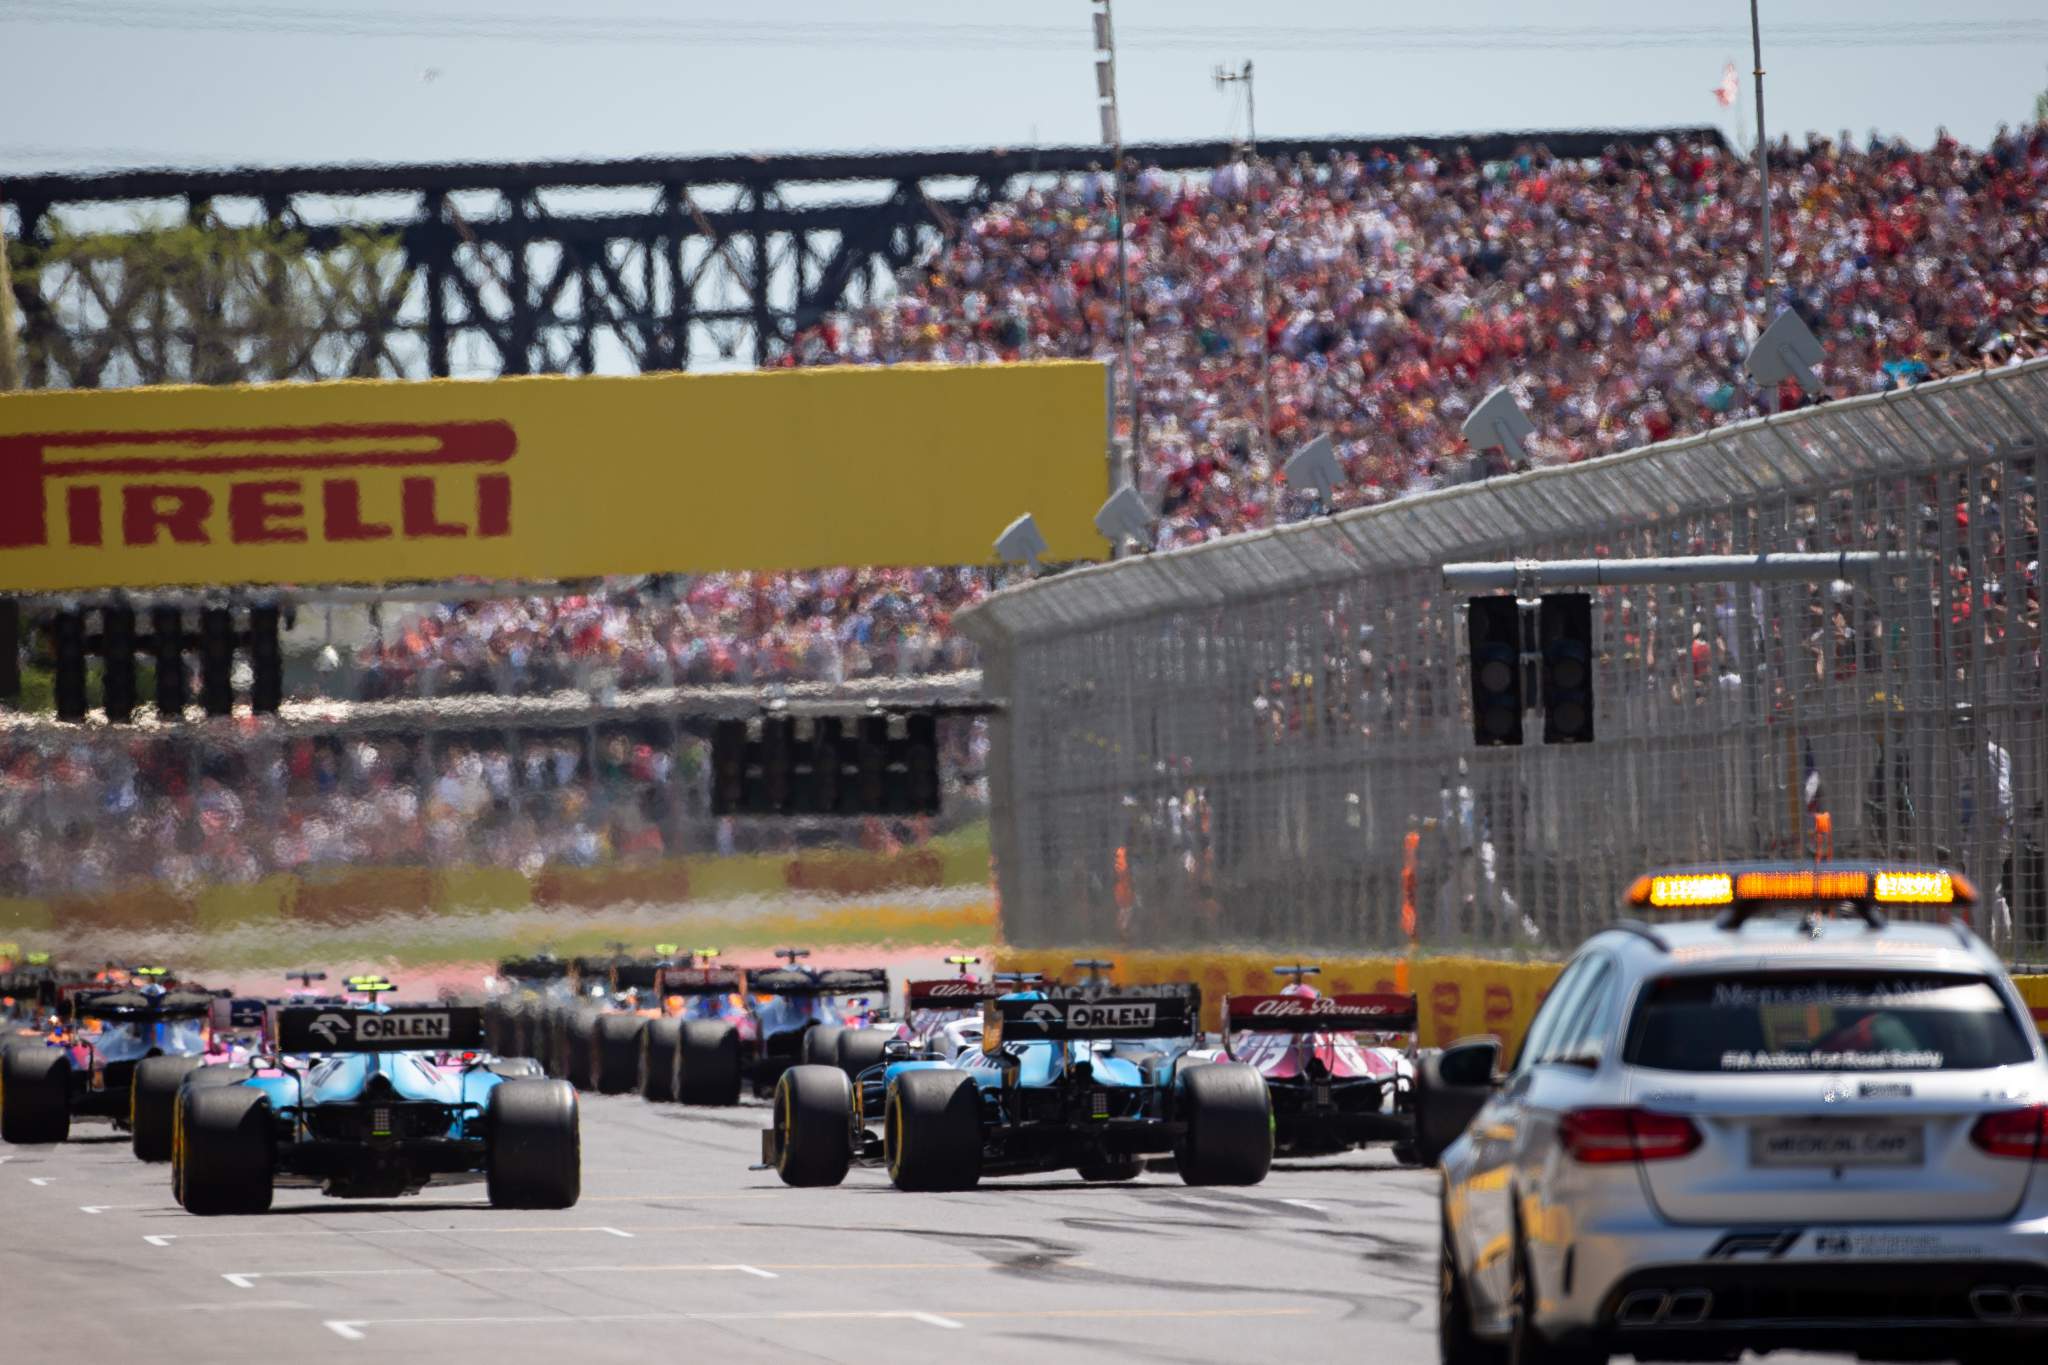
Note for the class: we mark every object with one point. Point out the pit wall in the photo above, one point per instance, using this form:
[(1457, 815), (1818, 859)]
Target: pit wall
[(1457, 997)]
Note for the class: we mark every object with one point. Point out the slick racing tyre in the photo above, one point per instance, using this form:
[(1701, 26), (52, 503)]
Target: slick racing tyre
[(578, 1034), (813, 1125), (153, 1104), (534, 1145), (821, 1046), (932, 1131), (708, 1063), (660, 1041), (1229, 1116), (223, 1161), (617, 1067), (35, 1095), (861, 1048)]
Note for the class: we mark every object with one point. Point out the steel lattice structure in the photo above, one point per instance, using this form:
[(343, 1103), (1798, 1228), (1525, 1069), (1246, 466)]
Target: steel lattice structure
[(547, 267)]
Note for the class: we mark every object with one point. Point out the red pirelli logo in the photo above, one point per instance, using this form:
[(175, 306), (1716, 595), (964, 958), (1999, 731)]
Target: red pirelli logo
[(283, 485)]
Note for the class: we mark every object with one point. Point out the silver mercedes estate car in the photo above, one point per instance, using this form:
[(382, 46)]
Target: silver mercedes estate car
[(1818, 1120)]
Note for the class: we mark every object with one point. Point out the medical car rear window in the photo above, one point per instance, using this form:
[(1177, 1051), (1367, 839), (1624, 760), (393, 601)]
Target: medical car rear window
[(1778, 1022)]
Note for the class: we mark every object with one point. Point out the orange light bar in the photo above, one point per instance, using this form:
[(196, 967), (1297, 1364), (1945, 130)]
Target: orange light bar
[(1915, 888), (1685, 888), (1806, 884)]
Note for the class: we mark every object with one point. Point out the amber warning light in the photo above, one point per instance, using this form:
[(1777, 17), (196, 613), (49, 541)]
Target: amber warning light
[(1890, 886)]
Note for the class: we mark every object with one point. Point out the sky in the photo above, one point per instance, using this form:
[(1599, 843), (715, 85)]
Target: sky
[(88, 84)]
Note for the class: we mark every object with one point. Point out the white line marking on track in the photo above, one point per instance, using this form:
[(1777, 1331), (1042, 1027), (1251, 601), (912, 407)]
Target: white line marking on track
[(1303, 1204), (102, 1208), (41, 1179), (245, 1279), (351, 1329), (164, 1239)]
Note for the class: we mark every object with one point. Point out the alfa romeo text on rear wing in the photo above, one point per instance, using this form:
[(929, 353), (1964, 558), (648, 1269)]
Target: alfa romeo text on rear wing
[(1319, 1014)]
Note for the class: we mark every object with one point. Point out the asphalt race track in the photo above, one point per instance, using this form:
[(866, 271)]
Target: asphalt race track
[(679, 1249)]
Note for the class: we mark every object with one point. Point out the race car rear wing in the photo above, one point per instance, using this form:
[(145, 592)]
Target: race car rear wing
[(439, 1028), (699, 981), (949, 994), (135, 1005), (838, 981), (1319, 1014), (635, 976), (1101, 1014), (533, 969)]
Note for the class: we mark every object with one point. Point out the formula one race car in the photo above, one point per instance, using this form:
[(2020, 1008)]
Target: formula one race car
[(1331, 1092), (93, 1063), (942, 1018), (798, 1016), (396, 1098), (524, 992), (706, 1018), (1067, 1078)]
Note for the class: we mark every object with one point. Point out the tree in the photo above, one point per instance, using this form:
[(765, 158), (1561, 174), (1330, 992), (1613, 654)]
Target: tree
[(205, 303)]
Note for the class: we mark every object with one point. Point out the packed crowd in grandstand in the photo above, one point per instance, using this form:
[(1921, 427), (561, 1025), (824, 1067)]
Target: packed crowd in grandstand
[(1610, 295)]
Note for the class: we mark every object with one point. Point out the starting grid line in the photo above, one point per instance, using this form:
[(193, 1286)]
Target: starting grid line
[(351, 1329), (164, 1239), (246, 1279)]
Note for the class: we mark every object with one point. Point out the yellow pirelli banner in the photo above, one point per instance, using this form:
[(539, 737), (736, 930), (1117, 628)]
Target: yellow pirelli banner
[(546, 477)]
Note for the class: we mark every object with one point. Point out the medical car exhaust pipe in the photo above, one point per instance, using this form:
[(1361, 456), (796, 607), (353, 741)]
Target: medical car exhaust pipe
[(1688, 1307), (2030, 1301), (1644, 1308), (1994, 1304)]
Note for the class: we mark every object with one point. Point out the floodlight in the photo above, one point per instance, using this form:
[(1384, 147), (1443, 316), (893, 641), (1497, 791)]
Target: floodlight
[(1020, 542), (1315, 466), (1124, 517), (1786, 350), (1499, 423)]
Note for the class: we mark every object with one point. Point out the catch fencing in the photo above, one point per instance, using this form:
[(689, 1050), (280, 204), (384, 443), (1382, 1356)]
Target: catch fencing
[(1266, 740)]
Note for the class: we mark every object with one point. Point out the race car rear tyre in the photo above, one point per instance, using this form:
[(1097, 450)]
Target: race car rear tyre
[(578, 1033), (153, 1104), (534, 1145), (1121, 1166), (708, 1063), (813, 1125), (660, 1041), (932, 1131), (35, 1095), (1229, 1117), (224, 1150), (617, 1064), (861, 1048), (821, 1046)]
